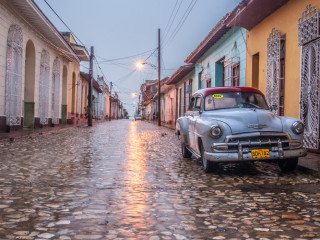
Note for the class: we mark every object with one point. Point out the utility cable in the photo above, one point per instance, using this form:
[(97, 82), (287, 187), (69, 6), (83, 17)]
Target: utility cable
[(164, 32), (61, 51), (122, 58), (181, 22), (104, 77), (172, 21), (63, 22)]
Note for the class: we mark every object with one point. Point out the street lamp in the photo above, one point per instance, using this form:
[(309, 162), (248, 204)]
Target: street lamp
[(140, 65)]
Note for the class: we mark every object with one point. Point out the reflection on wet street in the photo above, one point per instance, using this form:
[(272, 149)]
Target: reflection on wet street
[(127, 180)]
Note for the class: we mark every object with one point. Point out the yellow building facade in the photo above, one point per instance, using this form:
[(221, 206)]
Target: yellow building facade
[(285, 20), (283, 57)]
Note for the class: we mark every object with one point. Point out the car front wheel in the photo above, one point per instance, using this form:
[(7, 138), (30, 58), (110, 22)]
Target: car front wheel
[(185, 151), (207, 165), (289, 164)]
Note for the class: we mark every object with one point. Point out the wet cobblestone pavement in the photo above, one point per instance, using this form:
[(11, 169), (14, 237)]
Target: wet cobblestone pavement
[(127, 180)]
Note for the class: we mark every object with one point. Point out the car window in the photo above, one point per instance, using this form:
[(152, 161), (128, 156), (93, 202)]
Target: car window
[(197, 104), (235, 100), (191, 105)]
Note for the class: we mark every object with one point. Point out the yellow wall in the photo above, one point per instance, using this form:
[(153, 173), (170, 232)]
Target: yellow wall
[(285, 19)]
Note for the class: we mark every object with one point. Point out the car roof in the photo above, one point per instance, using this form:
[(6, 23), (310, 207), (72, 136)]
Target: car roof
[(208, 91)]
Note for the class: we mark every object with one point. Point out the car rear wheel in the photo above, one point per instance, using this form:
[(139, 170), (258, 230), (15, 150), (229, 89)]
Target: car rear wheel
[(185, 151), (289, 164), (207, 165)]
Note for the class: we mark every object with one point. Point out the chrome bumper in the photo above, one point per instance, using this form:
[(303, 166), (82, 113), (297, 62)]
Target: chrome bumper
[(220, 151), (229, 157)]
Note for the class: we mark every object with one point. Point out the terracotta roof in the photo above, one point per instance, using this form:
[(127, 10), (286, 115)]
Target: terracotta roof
[(214, 36), (180, 74), (95, 85), (40, 23), (250, 13)]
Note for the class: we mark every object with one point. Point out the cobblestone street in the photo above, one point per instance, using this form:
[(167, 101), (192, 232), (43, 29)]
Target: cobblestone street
[(127, 180)]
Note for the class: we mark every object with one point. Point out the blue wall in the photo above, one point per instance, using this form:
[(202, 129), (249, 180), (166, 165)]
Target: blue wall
[(222, 49)]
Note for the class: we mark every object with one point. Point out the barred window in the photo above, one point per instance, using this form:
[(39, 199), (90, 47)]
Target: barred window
[(44, 87), (55, 92), (14, 76), (232, 68)]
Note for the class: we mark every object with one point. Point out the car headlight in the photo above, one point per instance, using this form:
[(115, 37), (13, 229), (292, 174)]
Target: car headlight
[(297, 127), (216, 132)]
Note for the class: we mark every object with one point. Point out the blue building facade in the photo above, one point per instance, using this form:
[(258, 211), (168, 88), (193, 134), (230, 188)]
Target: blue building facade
[(219, 60), (224, 64)]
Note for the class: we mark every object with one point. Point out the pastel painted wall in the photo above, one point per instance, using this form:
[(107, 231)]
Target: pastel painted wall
[(285, 19), (220, 50), (7, 18)]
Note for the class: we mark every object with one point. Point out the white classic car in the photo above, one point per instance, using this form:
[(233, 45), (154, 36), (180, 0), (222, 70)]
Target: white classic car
[(226, 124)]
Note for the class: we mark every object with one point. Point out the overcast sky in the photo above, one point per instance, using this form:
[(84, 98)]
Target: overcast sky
[(122, 28)]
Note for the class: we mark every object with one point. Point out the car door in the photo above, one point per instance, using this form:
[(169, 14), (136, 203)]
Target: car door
[(189, 114), (192, 121)]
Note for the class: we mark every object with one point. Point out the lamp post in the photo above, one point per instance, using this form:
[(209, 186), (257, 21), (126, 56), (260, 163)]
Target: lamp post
[(141, 64)]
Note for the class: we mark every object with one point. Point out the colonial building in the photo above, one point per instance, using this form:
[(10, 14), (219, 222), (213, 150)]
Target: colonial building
[(219, 60), (115, 106), (79, 85), (96, 99), (38, 67), (104, 98), (148, 90), (168, 107), (149, 103), (283, 57), (183, 80)]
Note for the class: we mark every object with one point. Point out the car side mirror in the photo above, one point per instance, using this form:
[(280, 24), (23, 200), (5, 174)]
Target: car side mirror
[(197, 108), (273, 107)]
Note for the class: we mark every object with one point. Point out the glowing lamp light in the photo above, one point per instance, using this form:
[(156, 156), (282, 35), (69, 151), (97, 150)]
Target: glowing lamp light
[(140, 65), (133, 94)]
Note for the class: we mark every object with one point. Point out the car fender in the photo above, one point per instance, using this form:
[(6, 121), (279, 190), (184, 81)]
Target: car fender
[(287, 123), (202, 131), (182, 130)]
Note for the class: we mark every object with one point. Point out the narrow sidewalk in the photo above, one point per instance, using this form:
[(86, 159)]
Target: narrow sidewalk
[(310, 162), (31, 132)]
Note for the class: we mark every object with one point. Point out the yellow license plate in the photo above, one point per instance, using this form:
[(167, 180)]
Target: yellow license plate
[(260, 153)]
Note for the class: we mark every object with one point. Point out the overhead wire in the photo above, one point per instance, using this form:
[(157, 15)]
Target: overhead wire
[(168, 27), (123, 58), (104, 77), (168, 30), (61, 51), (181, 23), (97, 63), (63, 22), (126, 76)]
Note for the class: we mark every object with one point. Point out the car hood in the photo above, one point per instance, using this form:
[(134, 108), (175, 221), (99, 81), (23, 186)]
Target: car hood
[(245, 120)]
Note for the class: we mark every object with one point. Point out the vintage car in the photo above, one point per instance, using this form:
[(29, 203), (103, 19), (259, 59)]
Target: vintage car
[(137, 117), (233, 124)]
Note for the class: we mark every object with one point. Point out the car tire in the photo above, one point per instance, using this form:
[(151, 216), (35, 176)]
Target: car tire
[(289, 164), (185, 151), (207, 165)]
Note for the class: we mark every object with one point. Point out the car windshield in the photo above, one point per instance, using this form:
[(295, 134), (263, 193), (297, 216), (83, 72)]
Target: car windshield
[(235, 100)]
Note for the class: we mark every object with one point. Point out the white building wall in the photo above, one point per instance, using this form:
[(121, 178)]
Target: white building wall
[(6, 20)]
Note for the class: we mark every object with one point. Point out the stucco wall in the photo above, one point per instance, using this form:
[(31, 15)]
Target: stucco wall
[(7, 18), (285, 19), (72, 67), (221, 49)]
